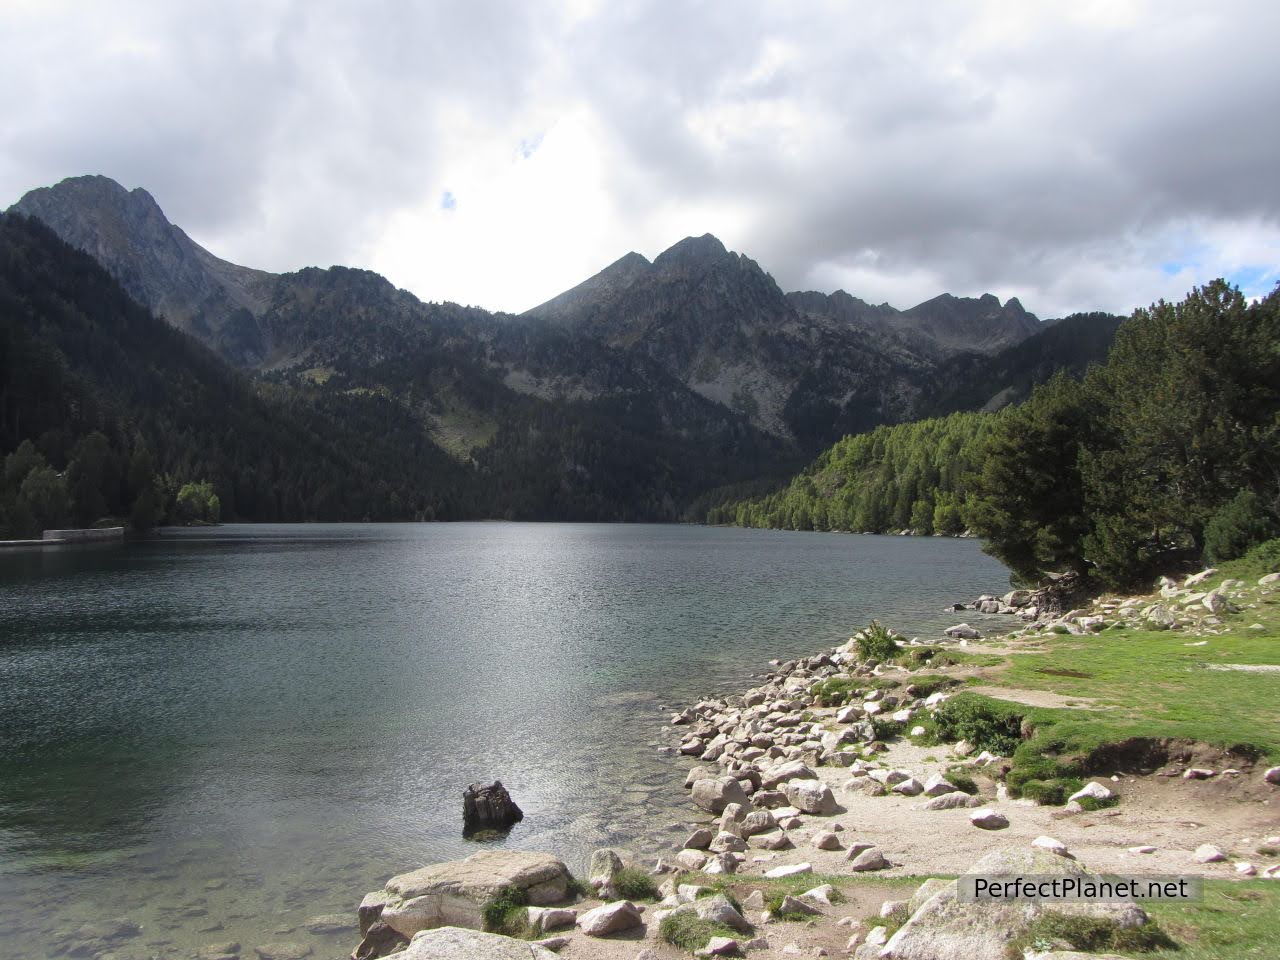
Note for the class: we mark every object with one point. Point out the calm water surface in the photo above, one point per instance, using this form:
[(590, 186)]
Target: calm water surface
[(222, 733)]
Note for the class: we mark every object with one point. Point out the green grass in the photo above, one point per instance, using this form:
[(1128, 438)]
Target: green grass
[(686, 930), (633, 883), (1092, 934), (507, 913), (1237, 920)]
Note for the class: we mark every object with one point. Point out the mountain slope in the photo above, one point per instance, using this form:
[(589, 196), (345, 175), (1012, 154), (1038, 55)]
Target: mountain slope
[(80, 355)]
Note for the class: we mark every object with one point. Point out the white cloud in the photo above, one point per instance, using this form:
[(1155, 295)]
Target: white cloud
[(1079, 155)]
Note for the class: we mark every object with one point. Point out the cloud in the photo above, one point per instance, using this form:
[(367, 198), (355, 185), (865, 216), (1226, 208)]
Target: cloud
[(1064, 153)]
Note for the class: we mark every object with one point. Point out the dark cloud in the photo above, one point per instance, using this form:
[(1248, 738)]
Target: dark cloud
[(1068, 153)]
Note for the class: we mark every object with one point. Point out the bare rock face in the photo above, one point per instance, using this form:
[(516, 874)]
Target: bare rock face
[(488, 807)]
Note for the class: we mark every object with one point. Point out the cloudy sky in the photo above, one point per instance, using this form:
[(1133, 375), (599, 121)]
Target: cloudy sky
[(1078, 155)]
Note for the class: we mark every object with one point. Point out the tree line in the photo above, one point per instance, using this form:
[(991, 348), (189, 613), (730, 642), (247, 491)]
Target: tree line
[(1167, 454)]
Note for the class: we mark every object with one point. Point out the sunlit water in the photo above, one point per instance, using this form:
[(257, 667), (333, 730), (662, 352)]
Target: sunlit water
[(225, 732)]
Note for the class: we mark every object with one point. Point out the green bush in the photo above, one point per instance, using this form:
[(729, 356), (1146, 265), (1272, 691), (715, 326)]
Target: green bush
[(1265, 556), (634, 884), (1051, 792), (877, 643), (962, 781), (985, 723), (1240, 524)]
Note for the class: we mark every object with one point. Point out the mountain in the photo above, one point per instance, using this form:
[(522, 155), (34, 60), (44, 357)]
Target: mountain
[(626, 397), (980, 382), (79, 355)]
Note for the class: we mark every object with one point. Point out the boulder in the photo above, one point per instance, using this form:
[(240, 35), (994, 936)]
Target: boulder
[(488, 807), (605, 866), (714, 795), (546, 919), (788, 870), (988, 819), (826, 840), (610, 918), (453, 894), (952, 801), (962, 631), (757, 821), (720, 947), (794, 905), (1208, 853), (1051, 845), (1272, 776), (454, 943), (780, 774), (937, 785), (378, 940), (691, 859), (1092, 789), (869, 860), (810, 796), (719, 909), (943, 928), (700, 839), (910, 787)]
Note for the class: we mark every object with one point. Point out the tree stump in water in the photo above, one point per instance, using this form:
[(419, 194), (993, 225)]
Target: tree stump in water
[(488, 807)]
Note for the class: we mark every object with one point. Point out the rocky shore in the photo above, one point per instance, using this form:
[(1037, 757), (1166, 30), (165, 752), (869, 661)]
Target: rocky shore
[(822, 822)]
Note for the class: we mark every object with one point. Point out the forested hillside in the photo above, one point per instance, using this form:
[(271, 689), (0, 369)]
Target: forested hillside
[(116, 407), (912, 476), (1168, 453)]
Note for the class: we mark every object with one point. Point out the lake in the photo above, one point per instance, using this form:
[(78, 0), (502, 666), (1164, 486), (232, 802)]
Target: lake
[(223, 732)]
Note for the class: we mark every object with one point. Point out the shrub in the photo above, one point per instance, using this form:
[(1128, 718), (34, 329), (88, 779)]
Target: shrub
[(506, 913), (877, 643), (986, 724), (962, 781), (1265, 556), (633, 883), (1241, 523), (1050, 792)]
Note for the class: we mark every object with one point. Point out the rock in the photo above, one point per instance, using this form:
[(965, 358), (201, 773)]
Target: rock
[(546, 919), (1208, 853), (370, 909), (488, 807), (910, 787), (719, 909), (1246, 869), (794, 905), (283, 951), (1198, 773), (700, 839), (217, 950), (455, 943), (942, 928), (788, 870), (726, 842), (821, 894), (869, 860), (691, 859), (962, 631), (810, 796), (988, 819), (865, 785), (791, 770), (722, 863), (378, 940), (699, 773), (1199, 578), (604, 867), (773, 840), (1145, 848), (1215, 602), (757, 821), (720, 947), (610, 918), (755, 900), (1268, 579), (826, 840), (937, 785), (952, 801), (328, 924), (453, 894), (714, 795), (1094, 790), (1272, 776), (554, 944), (963, 748), (1051, 845), (893, 908), (924, 893)]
